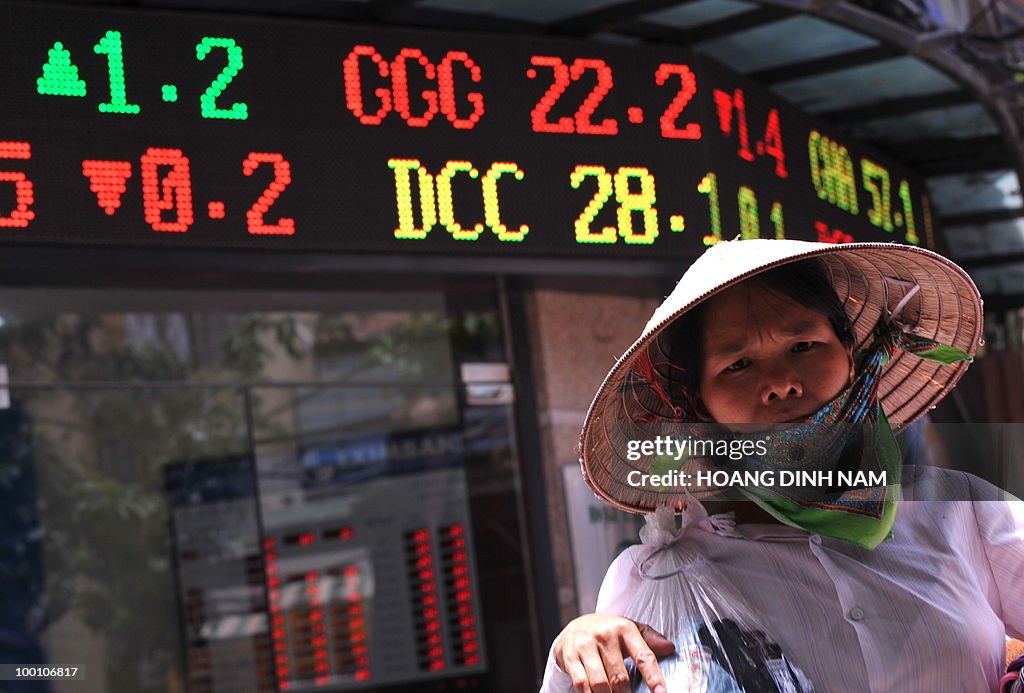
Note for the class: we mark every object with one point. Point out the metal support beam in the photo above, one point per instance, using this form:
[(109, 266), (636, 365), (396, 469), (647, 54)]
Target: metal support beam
[(383, 9), (935, 52), (450, 20)]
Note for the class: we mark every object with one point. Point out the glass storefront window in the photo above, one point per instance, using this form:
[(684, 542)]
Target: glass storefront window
[(259, 492)]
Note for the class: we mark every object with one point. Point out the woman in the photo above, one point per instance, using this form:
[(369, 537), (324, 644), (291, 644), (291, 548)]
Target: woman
[(908, 586)]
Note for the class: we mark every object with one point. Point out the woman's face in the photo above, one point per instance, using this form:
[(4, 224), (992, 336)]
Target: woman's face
[(767, 359)]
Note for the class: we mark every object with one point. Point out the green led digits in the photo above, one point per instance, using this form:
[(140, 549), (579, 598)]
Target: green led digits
[(929, 229), (876, 182), (60, 75), (776, 219), (832, 172), (110, 45), (208, 101), (709, 186), (750, 224), (908, 213), (835, 181), (746, 203), (444, 210)]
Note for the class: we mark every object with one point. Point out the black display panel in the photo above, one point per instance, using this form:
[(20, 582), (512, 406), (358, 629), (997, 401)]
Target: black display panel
[(198, 131)]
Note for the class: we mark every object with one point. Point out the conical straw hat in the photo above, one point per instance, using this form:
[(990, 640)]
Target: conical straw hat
[(868, 278)]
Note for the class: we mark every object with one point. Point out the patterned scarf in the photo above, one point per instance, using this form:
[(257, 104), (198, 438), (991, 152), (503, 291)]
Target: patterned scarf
[(851, 434)]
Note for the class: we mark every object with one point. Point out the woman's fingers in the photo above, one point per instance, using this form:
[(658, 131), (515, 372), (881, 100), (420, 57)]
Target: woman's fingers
[(644, 658), (592, 650), (661, 646), (614, 665), (601, 667), (577, 671)]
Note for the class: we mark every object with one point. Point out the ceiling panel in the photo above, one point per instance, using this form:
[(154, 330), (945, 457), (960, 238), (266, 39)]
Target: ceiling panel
[(690, 14), (615, 39), (772, 45), (888, 79), (974, 192), (984, 240), (542, 11), (1005, 279), (960, 122)]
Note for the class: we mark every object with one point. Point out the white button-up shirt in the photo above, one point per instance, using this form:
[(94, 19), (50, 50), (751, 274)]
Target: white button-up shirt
[(927, 610)]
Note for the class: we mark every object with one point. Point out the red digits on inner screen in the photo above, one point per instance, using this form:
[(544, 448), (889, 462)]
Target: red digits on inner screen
[(773, 143), (688, 87), (609, 126), (563, 77), (539, 114), (24, 195), (726, 104), (830, 235), (446, 86), (173, 191), (400, 87), (354, 87), (282, 179)]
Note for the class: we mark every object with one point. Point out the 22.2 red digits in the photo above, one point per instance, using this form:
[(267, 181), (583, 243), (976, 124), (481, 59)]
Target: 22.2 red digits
[(166, 189), (580, 123)]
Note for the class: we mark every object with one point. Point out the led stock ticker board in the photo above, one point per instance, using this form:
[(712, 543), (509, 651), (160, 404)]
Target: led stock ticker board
[(198, 131)]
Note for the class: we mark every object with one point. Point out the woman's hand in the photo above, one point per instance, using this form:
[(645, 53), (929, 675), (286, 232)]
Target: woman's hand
[(593, 647)]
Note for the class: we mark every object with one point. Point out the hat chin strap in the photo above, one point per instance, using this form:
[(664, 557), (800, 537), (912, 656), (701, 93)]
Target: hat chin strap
[(915, 287)]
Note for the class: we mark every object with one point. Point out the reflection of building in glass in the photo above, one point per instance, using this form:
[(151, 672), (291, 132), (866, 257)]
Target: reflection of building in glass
[(352, 415)]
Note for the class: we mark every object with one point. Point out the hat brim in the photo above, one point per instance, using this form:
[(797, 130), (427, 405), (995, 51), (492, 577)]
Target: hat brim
[(869, 278)]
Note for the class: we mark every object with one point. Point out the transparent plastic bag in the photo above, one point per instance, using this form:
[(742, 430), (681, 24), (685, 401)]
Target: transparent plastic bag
[(721, 644)]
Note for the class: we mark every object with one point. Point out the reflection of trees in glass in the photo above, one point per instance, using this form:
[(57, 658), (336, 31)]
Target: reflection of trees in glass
[(412, 345), (106, 540), (402, 348), (74, 348), (99, 451), (107, 564), (249, 346), (98, 454), (477, 337)]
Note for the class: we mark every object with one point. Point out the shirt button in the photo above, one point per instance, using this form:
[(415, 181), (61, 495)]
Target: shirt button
[(815, 539), (856, 614)]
